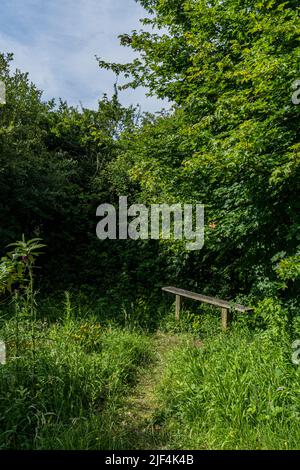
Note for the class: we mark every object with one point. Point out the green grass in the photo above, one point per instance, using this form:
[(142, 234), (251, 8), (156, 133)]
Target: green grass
[(75, 383), (66, 393), (238, 391)]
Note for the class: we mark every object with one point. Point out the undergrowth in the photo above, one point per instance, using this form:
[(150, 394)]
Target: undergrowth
[(64, 390)]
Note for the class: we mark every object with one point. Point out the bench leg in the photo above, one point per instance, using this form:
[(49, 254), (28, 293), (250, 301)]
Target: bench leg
[(225, 318), (177, 308)]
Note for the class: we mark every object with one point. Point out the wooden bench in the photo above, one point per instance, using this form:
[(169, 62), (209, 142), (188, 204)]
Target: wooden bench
[(226, 307)]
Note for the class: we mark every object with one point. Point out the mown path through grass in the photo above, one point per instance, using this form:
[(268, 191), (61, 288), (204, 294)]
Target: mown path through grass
[(140, 415)]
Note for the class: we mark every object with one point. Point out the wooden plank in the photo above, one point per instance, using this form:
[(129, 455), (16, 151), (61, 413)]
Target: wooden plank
[(178, 305), (206, 299), (225, 318)]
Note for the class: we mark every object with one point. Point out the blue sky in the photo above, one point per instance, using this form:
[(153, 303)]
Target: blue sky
[(56, 42)]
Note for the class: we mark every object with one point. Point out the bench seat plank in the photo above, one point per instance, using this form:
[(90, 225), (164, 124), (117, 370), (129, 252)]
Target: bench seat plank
[(206, 299)]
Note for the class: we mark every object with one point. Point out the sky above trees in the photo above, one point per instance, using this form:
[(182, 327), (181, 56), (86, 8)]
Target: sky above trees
[(56, 42)]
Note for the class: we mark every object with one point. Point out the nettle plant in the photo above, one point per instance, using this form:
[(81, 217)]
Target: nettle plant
[(16, 280), (16, 271)]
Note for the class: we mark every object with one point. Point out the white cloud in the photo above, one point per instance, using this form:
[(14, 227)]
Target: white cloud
[(56, 42)]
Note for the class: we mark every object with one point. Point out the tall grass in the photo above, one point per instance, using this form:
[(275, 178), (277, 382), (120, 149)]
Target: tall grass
[(67, 394), (66, 382), (239, 390)]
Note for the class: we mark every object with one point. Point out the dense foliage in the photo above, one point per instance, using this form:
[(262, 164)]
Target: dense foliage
[(230, 142), (233, 141)]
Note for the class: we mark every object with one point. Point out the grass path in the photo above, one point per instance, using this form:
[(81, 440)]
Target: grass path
[(140, 415)]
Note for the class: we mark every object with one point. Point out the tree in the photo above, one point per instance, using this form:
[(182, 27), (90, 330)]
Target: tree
[(229, 67)]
